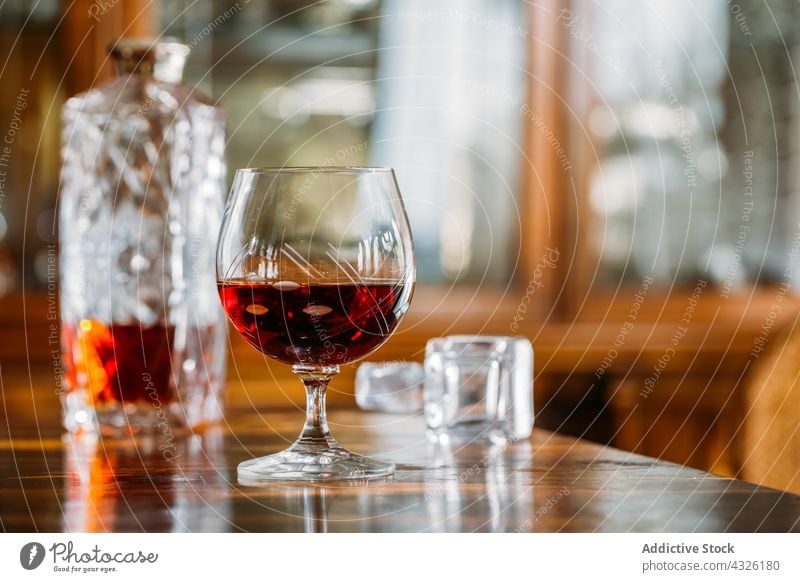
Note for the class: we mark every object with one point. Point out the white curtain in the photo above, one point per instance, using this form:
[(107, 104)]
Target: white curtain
[(451, 82)]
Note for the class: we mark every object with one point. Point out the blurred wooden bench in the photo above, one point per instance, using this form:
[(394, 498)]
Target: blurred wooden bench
[(770, 433), (693, 415)]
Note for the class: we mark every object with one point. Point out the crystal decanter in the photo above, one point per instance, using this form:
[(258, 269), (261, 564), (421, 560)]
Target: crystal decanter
[(141, 200)]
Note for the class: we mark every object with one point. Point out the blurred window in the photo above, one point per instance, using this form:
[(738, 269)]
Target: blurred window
[(693, 109), (434, 90)]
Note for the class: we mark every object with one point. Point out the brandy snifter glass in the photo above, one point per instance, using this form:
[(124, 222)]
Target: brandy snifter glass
[(315, 268)]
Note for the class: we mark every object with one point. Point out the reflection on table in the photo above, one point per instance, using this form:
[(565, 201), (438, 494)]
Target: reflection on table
[(547, 483)]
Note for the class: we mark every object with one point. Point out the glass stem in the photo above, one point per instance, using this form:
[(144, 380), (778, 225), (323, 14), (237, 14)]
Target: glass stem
[(316, 433)]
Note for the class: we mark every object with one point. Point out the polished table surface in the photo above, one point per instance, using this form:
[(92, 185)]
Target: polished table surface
[(549, 483)]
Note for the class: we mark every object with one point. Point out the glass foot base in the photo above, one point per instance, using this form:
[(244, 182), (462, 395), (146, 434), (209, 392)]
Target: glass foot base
[(299, 463)]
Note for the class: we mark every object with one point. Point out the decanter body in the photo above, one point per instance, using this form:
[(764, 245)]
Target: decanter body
[(141, 200)]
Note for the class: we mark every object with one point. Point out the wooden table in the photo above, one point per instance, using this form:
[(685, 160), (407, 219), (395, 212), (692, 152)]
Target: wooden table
[(551, 483)]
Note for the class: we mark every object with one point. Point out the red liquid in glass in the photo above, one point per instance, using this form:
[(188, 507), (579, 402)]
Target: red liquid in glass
[(120, 362), (323, 324)]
